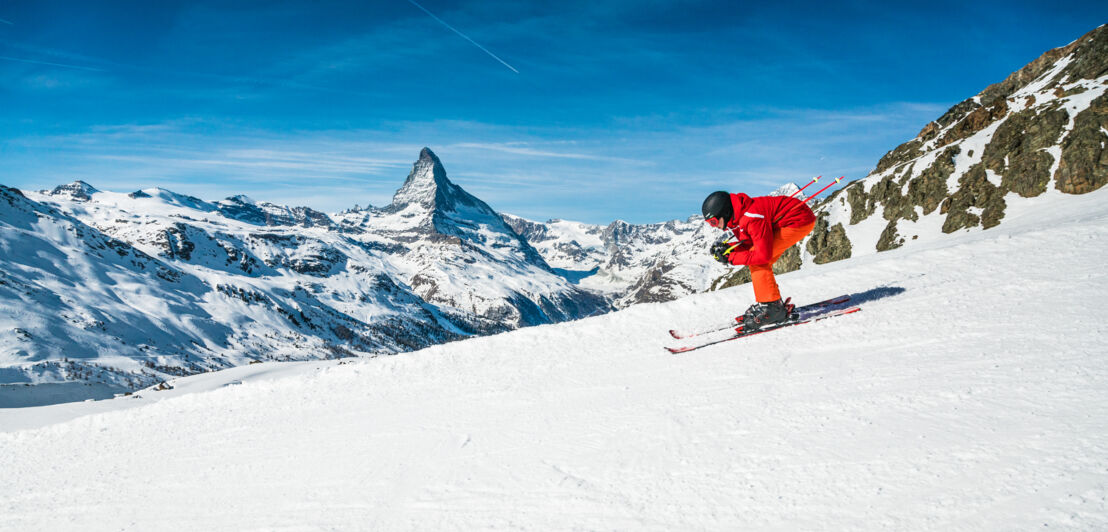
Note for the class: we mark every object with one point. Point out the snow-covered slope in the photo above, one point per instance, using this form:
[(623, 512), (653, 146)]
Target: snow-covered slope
[(971, 393)]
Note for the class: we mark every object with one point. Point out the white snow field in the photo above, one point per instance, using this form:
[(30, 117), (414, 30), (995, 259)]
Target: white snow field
[(971, 393)]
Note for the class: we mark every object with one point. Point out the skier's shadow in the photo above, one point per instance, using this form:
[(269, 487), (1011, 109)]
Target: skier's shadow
[(873, 294)]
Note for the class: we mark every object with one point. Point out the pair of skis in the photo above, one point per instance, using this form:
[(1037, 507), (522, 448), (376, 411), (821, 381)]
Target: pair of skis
[(821, 310)]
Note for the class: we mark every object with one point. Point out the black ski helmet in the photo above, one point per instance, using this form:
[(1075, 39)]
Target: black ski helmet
[(718, 205)]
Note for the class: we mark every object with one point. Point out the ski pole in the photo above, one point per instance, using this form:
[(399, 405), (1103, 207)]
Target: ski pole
[(829, 185), (833, 183), (805, 186)]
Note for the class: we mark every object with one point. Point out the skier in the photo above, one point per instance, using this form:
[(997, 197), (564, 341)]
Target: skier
[(765, 227)]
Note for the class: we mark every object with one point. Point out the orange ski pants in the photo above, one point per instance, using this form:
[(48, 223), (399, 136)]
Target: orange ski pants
[(765, 285)]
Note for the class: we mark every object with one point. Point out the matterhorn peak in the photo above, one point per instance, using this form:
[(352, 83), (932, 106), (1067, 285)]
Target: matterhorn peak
[(429, 202), (426, 185)]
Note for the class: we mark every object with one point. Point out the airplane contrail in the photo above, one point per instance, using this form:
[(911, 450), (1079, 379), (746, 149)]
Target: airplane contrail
[(462, 35), (32, 61)]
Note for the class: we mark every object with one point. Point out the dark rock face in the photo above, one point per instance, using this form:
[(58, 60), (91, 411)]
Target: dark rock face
[(1016, 150), (890, 238), (862, 205), (929, 189), (974, 191), (1084, 165), (975, 121), (828, 244), (1089, 52), (972, 115)]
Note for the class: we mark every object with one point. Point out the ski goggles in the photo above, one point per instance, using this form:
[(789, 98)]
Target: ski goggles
[(715, 222)]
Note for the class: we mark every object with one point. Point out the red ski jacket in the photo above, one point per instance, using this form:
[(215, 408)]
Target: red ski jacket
[(756, 218)]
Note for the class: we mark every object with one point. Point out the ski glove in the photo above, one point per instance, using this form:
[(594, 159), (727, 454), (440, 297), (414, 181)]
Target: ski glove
[(722, 251), (719, 252)]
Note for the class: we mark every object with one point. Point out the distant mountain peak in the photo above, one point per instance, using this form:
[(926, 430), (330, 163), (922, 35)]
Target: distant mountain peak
[(241, 198), (789, 189), (78, 190)]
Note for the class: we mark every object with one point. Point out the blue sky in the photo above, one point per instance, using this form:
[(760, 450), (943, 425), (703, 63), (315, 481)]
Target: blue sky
[(590, 111)]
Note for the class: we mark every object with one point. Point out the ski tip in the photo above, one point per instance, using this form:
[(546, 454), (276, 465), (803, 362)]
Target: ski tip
[(676, 350), (674, 334)]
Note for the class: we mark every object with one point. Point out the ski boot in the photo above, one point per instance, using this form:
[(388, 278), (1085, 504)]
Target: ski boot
[(763, 315)]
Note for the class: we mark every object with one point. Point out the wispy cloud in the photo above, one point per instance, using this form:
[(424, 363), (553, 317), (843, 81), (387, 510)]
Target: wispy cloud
[(516, 149), (260, 165), (8, 22)]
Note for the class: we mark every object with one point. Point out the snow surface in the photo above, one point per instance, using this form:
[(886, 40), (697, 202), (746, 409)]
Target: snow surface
[(970, 394)]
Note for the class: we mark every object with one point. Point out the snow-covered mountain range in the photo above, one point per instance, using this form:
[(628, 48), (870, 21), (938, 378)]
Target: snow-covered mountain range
[(124, 290)]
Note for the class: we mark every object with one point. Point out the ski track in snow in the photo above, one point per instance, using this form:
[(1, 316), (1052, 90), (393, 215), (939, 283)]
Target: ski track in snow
[(972, 393)]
